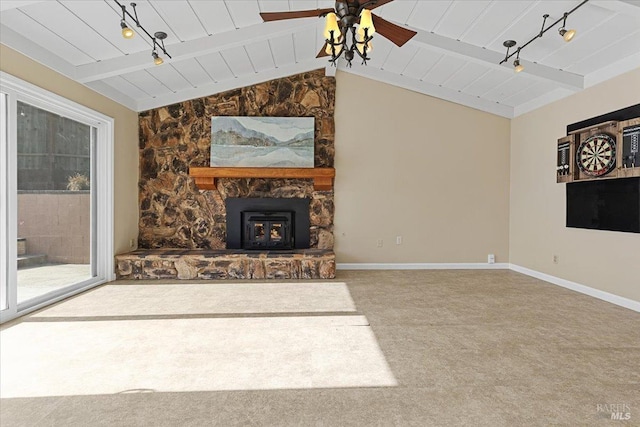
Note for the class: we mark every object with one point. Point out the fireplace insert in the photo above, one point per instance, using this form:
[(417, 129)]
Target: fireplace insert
[(268, 223), (267, 230)]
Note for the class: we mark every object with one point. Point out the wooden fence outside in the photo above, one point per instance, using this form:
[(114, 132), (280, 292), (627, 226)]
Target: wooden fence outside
[(51, 149)]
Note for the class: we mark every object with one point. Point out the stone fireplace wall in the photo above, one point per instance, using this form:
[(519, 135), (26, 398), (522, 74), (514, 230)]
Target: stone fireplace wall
[(175, 214)]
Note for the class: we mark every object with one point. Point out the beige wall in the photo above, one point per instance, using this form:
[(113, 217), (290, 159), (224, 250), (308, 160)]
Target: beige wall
[(600, 259), (407, 164), (126, 136)]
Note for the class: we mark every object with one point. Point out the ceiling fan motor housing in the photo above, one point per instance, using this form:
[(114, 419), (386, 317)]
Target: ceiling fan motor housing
[(347, 13)]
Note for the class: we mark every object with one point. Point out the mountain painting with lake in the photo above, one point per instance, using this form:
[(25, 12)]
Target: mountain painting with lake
[(268, 142)]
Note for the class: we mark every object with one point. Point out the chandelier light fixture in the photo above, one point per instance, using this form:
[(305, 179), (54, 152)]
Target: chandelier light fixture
[(567, 35), (128, 33), (349, 28), (342, 37)]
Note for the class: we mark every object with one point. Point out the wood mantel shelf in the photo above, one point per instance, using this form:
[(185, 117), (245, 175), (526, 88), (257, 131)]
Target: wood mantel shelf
[(205, 178)]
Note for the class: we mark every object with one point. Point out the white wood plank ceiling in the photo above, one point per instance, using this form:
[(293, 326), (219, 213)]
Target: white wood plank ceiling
[(221, 45)]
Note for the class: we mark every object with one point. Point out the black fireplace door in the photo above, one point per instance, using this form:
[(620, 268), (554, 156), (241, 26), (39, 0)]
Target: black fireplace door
[(267, 230)]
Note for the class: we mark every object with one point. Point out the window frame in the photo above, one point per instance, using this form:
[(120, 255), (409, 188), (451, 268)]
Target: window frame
[(16, 90)]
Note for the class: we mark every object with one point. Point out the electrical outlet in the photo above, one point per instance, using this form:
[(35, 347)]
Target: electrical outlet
[(491, 259), (379, 243), (398, 240), (556, 259), (132, 243)]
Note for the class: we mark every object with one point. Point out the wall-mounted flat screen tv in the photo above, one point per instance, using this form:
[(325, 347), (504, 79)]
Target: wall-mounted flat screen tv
[(609, 204)]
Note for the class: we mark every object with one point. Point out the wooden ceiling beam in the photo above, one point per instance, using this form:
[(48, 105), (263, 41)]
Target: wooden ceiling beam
[(190, 49), (469, 52)]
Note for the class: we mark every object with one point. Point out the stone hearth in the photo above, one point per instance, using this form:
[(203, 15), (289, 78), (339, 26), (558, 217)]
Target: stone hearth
[(226, 264)]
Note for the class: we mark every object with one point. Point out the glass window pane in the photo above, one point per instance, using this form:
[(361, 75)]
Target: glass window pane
[(258, 231), (54, 201), (4, 282), (276, 231)]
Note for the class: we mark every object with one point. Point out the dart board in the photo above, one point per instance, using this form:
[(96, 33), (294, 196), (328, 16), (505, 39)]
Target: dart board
[(596, 156)]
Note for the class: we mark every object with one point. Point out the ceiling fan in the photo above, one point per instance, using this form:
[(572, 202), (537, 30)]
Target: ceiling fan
[(342, 20)]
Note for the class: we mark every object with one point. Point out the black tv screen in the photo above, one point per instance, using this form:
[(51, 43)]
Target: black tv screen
[(610, 204)]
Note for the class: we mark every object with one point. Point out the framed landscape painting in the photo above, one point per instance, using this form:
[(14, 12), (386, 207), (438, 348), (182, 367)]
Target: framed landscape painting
[(268, 142)]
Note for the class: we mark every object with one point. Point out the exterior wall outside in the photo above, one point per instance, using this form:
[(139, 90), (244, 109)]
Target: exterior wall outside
[(57, 224), (603, 260)]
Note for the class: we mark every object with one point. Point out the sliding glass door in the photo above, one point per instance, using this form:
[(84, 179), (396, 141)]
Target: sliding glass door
[(54, 199), (52, 245), (4, 256)]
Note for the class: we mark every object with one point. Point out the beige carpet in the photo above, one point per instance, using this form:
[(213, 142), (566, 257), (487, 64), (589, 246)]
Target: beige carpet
[(420, 348), (120, 339), (189, 299)]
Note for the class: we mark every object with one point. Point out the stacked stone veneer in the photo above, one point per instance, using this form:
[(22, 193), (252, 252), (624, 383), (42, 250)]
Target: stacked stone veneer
[(174, 213), (223, 264)]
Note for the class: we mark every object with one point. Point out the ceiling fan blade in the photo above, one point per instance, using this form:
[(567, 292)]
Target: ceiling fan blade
[(278, 16), (323, 51), (395, 33), (379, 3)]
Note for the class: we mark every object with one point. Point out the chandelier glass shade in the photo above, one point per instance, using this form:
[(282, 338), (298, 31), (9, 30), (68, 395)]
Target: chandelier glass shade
[(349, 35)]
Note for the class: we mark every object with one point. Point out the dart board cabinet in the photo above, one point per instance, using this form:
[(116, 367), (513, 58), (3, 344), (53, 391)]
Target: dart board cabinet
[(607, 146), (589, 153), (565, 167), (630, 150)]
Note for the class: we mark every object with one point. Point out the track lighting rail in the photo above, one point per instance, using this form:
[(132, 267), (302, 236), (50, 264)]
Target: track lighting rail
[(159, 35), (510, 43)]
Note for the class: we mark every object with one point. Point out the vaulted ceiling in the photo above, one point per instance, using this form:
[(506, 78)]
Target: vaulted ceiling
[(221, 45)]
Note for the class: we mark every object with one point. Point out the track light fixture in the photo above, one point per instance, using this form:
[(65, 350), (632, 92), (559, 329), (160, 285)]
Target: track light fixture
[(517, 66), (156, 59), (567, 35), (128, 33)]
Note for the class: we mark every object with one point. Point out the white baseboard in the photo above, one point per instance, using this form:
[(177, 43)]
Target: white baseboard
[(421, 266), (596, 293)]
